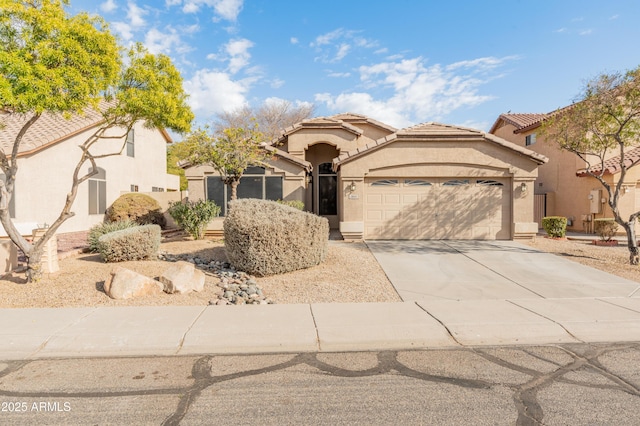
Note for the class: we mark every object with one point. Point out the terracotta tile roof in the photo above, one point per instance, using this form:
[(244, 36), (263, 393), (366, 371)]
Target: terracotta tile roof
[(49, 129), (316, 123), (438, 131), (612, 165), (519, 120), (291, 158), (351, 117)]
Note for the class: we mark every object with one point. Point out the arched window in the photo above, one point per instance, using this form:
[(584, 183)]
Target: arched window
[(98, 192)]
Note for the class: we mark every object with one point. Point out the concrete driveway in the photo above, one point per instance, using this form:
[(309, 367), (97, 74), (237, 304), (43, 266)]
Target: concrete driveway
[(490, 270)]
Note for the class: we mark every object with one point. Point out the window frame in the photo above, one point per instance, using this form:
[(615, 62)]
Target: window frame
[(130, 143), (97, 184)]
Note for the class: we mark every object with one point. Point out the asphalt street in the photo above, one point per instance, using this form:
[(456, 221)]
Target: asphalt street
[(528, 385)]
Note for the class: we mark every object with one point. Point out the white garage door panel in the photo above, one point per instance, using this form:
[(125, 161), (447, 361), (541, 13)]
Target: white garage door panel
[(430, 208)]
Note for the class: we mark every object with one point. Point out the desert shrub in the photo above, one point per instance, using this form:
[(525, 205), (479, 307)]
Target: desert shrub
[(140, 208), (296, 204), (136, 243), (264, 237), (193, 217), (555, 226), (605, 228), (104, 228)]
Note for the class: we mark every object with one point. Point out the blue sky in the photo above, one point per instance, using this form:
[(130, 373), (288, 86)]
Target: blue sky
[(401, 62)]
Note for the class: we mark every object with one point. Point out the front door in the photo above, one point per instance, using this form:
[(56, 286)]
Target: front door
[(327, 189)]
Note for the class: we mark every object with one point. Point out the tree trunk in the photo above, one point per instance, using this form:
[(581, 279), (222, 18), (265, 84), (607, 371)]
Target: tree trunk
[(234, 190), (632, 242), (34, 265)]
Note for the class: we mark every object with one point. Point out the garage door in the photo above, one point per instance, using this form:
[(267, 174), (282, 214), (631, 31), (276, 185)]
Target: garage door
[(438, 208)]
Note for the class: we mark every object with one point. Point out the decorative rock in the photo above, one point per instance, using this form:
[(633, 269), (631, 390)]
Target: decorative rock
[(182, 277), (125, 284)]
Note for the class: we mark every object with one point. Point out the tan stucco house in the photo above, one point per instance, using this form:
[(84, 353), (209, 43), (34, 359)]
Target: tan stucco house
[(562, 187), (372, 181), (50, 152)]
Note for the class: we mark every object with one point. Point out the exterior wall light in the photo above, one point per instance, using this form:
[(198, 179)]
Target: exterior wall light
[(352, 187), (523, 187)]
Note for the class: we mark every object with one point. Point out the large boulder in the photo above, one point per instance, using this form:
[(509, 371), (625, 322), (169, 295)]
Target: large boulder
[(182, 277), (124, 284)]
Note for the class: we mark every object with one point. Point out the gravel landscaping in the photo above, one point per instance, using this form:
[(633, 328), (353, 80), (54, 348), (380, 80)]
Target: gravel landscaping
[(349, 274)]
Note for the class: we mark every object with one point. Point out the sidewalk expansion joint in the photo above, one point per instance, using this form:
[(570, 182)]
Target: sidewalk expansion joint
[(494, 271), (548, 319), (315, 325), (440, 322), (44, 344), (606, 300), (184, 336), (637, 290)]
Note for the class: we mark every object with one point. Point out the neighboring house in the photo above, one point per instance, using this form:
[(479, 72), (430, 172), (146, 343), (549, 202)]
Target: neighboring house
[(563, 188), (49, 154), (430, 181)]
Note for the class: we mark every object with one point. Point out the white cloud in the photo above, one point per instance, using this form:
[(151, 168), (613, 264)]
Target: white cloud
[(614, 17), (335, 45), (276, 83), (224, 9), (166, 41), (238, 50), (327, 38), (585, 32), (381, 51), (211, 92), (339, 74), (108, 6), (135, 15), (124, 29), (294, 40), (407, 91), (560, 30)]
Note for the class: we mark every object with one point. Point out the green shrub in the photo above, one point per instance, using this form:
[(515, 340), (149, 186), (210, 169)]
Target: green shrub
[(555, 226), (136, 243), (193, 217), (264, 237), (140, 208), (605, 228), (104, 228), (296, 204)]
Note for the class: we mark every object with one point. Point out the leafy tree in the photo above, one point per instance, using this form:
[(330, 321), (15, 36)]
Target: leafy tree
[(51, 62), (603, 124), (229, 153), (271, 117)]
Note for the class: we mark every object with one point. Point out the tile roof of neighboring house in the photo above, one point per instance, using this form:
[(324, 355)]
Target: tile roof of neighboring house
[(316, 123), (612, 165), (518, 120), (48, 129), (437, 131)]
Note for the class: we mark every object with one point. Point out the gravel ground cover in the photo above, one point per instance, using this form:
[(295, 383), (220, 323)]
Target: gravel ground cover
[(349, 274), (614, 260)]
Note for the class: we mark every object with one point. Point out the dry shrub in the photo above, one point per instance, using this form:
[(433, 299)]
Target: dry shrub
[(265, 238), (140, 208), (137, 243)]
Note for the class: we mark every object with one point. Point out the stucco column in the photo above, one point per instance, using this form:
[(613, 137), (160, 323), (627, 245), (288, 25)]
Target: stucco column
[(351, 213), (524, 226)]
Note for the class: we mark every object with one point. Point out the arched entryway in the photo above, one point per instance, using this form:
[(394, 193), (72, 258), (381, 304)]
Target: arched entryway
[(322, 199)]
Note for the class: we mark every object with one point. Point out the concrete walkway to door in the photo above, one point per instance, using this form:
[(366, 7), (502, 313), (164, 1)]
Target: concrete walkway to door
[(504, 291)]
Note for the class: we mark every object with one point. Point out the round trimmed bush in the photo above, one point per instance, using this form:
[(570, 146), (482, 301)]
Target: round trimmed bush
[(99, 230), (265, 238), (136, 243), (139, 208)]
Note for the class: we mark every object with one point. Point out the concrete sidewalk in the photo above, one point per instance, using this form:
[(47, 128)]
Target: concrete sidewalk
[(457, 293), (130, 331)]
